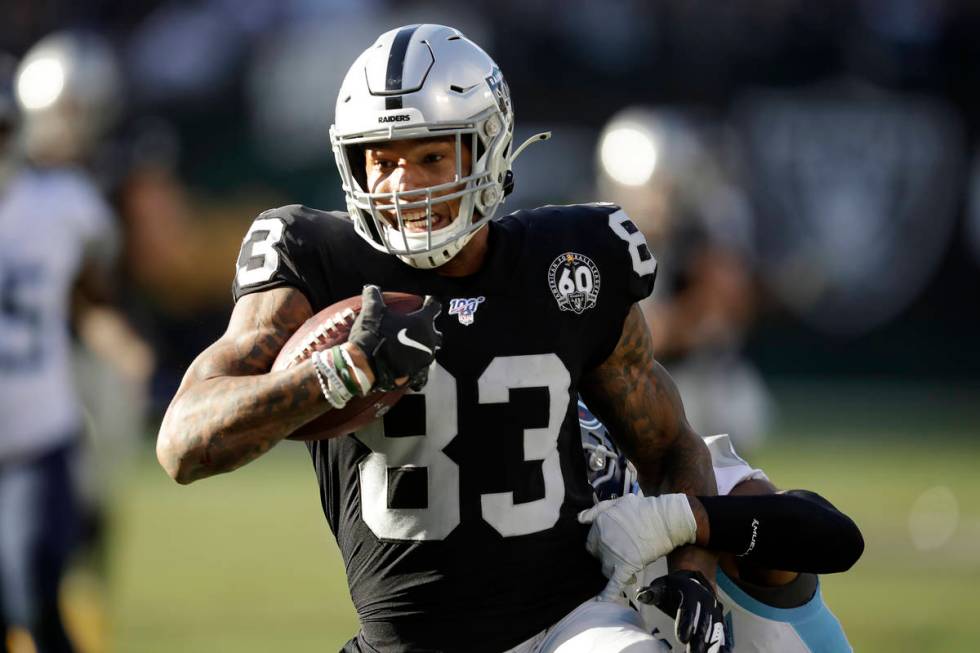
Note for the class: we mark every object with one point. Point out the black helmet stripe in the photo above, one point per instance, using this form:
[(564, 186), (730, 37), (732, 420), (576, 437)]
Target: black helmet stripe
[(396, 65)]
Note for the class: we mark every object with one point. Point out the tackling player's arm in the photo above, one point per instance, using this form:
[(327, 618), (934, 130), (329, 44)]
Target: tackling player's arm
[(797, 530), (638, 401), (230, 409)]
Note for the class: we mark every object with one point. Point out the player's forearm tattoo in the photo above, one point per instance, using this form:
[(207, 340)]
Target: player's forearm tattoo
[(229, 410), (639, 403)]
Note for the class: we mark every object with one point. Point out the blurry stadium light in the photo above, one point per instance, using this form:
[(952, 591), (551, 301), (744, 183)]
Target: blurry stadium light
[(934, 518), (40, 83), (628, 155)]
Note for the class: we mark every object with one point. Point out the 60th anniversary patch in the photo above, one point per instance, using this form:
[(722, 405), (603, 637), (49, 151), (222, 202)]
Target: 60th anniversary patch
[(574, 281)]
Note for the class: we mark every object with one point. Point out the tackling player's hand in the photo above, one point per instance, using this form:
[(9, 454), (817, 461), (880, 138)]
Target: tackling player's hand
[(689, 598), (630, 532), (396, 346)]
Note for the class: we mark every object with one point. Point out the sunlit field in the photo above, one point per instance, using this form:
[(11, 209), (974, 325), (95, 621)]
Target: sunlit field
[(246, 563)]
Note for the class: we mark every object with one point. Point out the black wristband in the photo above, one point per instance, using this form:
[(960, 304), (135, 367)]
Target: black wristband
[(791, 532)]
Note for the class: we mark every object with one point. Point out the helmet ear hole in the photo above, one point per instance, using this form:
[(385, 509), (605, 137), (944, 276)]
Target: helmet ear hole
[(508, 183)]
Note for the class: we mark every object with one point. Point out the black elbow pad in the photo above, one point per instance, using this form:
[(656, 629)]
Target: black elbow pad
[(849, 541), (794, 531)]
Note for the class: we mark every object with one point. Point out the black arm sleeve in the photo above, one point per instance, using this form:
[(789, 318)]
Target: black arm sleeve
[(794, 531)]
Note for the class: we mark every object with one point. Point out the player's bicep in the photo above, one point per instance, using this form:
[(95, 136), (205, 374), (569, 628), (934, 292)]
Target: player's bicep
[(260, 325)]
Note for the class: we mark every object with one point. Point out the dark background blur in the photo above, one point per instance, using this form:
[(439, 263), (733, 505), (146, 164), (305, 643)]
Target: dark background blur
[(233, 99), (819, 271)]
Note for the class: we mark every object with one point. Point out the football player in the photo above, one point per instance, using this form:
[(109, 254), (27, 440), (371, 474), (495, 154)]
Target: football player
[(57, 257), (766, 610), (482, 459), (56, 247)]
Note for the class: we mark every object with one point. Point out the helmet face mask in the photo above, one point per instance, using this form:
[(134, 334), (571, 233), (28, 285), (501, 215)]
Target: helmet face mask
[(446, 86)]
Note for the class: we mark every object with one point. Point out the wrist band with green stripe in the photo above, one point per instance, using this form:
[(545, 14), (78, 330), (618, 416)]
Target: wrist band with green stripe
[(340, 363)]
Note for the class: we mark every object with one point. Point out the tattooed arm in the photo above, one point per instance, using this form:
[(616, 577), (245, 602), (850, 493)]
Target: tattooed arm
[(638, 402), (230, 409)]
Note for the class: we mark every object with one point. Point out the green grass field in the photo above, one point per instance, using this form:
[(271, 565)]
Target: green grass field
[(245, 562)]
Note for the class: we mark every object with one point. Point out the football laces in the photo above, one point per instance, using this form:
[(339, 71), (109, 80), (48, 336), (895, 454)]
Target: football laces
[(320, 335)]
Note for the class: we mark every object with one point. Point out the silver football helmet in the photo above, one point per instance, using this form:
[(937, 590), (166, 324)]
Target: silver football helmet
[(68, 89), (423, 81)]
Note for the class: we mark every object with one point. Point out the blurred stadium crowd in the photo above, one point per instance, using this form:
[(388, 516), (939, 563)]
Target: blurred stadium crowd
[(807, 172), (829, 146), (825, 149)]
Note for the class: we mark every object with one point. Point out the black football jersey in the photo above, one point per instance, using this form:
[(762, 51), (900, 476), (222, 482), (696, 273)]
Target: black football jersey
[(456, 512)]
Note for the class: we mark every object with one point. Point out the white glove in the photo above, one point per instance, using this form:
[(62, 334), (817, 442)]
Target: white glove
[(630, 532)]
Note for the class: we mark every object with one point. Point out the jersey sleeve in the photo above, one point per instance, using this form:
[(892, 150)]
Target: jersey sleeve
[(639, 266), (626, 271), (730, 468), (92, 218), (102, 238), (278, 250)]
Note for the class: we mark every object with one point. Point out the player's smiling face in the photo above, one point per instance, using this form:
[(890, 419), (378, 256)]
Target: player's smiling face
[(412, 164)]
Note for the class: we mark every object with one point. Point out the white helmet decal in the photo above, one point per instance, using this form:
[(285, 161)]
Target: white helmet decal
[(423, 81)]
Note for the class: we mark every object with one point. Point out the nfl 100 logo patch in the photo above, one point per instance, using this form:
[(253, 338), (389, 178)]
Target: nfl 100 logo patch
[(574, 281), (465, 308)]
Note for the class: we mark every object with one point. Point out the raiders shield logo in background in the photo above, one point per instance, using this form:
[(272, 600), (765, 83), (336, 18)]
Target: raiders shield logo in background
[(856, 190)]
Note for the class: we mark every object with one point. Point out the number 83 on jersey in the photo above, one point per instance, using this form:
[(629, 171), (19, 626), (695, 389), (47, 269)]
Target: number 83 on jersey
[(424, 455)]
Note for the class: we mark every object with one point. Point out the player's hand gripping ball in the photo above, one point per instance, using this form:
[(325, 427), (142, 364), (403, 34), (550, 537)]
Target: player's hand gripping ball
[(397, 346), (689, 598), (333, 326)]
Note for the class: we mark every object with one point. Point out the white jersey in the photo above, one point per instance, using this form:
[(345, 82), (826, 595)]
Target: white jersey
[(755, 626), (50, 221)]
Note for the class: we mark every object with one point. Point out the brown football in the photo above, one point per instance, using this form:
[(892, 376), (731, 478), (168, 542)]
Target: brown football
[(330, 327)]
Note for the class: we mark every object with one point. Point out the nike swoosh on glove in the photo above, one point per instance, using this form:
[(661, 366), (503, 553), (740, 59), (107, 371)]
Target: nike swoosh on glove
[(630, 532), (688, 597), (396, 345)]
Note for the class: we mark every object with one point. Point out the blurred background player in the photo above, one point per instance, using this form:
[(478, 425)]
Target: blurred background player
[(58, 245), (766, 611), (669, 168)]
